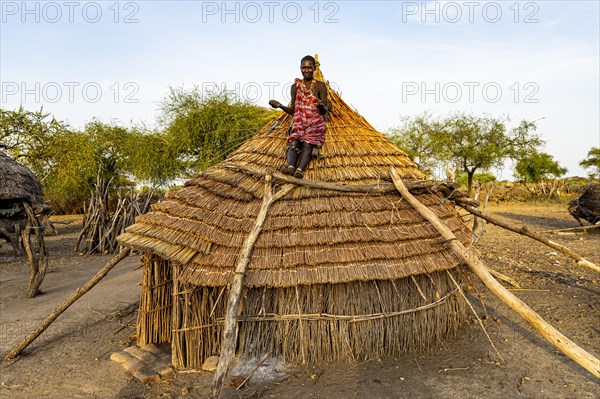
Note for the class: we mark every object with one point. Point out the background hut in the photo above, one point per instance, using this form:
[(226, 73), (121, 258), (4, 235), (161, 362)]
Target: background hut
[(587, 206), (333, 276), (21, 203)]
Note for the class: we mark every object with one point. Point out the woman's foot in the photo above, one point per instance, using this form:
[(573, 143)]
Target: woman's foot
[(299, 173), (287, 170)]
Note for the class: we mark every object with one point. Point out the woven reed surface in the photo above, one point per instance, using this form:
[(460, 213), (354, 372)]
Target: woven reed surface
[(18, 182), (154, 315), (311, 236), (309, 323)]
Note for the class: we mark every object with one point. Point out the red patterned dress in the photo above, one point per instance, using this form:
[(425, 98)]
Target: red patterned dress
[(308, 124)]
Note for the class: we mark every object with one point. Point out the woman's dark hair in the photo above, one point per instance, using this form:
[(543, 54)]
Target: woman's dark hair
[(309, 58)]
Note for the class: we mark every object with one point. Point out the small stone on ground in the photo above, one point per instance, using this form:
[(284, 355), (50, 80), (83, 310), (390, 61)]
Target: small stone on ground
[(148, 364), (210, 364)]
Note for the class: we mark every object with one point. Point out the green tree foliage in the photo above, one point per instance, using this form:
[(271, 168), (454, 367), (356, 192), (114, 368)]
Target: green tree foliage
[(198, 132), (71, 178), (152, 157), (415, 138), (58, 156), (462, 178), (28, 137), (205, 129), (592, 162), (472, 142), (110, 154), (482, 142), (537, 167), (66, 161), (119, 155)]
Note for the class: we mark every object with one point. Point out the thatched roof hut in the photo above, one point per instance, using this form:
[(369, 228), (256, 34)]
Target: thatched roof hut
[(18, 183), (21, 202), (332, 276), (587, 206)]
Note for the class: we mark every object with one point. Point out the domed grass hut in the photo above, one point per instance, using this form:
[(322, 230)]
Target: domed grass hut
[(21, 199), (333, 275), (587, 206), (18, 183)]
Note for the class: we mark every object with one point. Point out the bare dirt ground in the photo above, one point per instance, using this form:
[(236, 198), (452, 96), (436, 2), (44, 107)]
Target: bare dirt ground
[(71, 359)]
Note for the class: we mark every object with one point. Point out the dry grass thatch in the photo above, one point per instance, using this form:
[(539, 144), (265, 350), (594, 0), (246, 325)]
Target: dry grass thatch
[(587, 206), (310, 236), (333, 275), (316, 323), (154, 316), (18, 183)]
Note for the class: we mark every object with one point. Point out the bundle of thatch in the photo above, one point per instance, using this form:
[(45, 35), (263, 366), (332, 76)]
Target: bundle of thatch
[(587, 206), (332, 275)]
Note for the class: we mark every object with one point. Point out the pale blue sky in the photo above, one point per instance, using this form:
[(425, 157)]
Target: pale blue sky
[(537, 60)]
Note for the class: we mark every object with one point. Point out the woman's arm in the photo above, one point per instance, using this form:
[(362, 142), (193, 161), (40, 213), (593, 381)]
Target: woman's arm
[(288, 110), (323, 104)]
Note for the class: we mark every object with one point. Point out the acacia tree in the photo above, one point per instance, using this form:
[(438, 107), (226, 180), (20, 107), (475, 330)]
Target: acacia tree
[(153, 157), (206, 129), (592, 162), (415, 137), (28, 137), (537, 167), (474, 143)]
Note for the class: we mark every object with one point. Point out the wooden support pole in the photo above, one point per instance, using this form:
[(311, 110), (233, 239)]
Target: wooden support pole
[(38, 262), (235, 291), (25, 342), (31, 259), (376, 188), (523, 230), (558, 340)]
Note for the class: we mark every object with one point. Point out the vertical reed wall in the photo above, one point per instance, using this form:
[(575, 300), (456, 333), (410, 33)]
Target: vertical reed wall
[(154, 317), (320, 322)]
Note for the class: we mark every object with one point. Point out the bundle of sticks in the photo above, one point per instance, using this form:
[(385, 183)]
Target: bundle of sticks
[(101, 226)]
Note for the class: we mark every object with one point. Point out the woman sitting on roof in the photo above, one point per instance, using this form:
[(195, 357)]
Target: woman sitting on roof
[(309, 106)]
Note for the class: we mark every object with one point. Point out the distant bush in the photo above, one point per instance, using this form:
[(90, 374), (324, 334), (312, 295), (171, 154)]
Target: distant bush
[(196, 133), (482, 178)]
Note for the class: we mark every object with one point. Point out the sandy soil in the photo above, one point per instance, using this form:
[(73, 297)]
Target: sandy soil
[(71, 359)]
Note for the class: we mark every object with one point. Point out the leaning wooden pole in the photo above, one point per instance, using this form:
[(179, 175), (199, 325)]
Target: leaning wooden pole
[(561, 342), (39, 262), (235, 291), (374, 188), (526, 232), (25, 342)]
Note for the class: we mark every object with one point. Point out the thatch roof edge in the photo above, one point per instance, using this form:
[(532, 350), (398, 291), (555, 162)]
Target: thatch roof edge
[(19, 182)]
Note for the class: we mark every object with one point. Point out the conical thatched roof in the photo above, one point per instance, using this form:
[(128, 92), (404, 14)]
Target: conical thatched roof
[(310, 236), (19, 183)]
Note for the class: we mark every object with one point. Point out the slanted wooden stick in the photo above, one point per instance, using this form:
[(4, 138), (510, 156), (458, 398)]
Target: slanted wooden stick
[(375, 188), (504, 278), (578, 229), (231, 318), (558, 340), (25, 342), (39, 262), (526, 232)]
